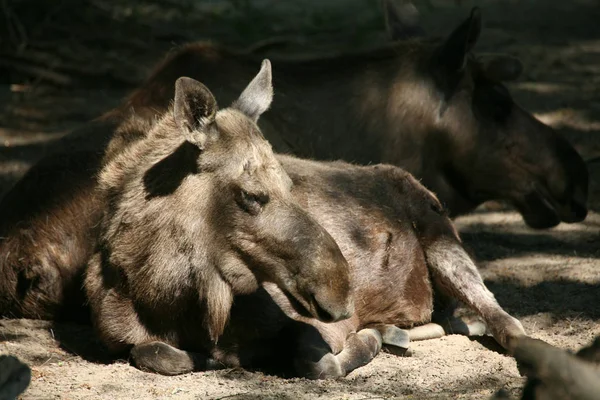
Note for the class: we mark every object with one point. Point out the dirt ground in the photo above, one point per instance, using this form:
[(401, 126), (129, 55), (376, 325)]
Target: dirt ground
[(64, 62)]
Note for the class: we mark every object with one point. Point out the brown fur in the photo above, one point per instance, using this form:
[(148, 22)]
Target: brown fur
[(398, 241)]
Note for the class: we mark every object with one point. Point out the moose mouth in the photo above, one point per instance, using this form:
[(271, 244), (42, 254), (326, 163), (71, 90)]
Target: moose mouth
[(542, 211), (312, 308)]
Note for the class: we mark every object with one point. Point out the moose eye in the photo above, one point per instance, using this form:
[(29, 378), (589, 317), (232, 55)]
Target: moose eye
[(252, 203)]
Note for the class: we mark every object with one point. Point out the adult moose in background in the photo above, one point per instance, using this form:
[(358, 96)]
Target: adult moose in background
[(432, 108)]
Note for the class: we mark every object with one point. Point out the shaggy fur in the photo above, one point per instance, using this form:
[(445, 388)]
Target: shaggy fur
[(198, 211)]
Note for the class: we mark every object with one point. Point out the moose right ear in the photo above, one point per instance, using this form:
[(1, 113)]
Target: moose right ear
[(194, 108), (258, 95), (402, 20)]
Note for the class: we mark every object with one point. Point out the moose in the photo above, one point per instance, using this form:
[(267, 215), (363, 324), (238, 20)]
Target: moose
[(431, 107), (136, 222)]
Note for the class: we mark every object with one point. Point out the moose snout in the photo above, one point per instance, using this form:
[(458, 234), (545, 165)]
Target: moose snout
[(330, 307), (331, 290), (323, 283)]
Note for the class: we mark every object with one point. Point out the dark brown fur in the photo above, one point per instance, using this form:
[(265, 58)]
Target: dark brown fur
[(431, 107)]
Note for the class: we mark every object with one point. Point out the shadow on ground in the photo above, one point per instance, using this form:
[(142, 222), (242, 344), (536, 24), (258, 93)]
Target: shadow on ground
[(563, 299)]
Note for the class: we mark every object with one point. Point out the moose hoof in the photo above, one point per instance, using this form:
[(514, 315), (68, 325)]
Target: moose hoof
[(467, 328), (395, 340), (507, 331), (161, 358), (14, 377)]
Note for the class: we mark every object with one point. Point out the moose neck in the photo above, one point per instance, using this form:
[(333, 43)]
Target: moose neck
[(373, 100)]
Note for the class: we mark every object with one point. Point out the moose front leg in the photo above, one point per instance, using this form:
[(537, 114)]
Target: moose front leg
[(122, 330), (316, 361), (455, 275)]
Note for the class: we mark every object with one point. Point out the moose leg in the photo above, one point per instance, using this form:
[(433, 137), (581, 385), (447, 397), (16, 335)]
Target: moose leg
[(445, 322), (165, 359), (453, 326), (119, 326), (316, 361), (455, 274)]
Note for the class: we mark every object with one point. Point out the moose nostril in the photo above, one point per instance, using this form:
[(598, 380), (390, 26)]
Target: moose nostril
[(322, 313), (326, 313)]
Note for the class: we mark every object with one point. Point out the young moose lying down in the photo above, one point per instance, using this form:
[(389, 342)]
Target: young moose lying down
[(199, 211), (399, 245)]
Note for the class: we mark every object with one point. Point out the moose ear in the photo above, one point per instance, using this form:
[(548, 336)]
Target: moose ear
[(194, 107), (258, 95), (453, 53), (501, 67), (402, 20)]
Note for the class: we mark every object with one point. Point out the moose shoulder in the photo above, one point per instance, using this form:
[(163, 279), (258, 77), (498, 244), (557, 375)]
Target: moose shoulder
[(430, 107)]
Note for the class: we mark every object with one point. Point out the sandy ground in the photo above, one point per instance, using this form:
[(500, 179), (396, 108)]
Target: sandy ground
[(550, 280)]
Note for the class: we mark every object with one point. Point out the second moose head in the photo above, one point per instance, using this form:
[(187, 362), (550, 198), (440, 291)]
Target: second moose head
[(491, 148)]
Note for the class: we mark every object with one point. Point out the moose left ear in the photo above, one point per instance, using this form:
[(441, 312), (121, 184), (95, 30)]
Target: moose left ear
[(402, 20), (258, 95), (453, 53), (500, 67), (194, 108)]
